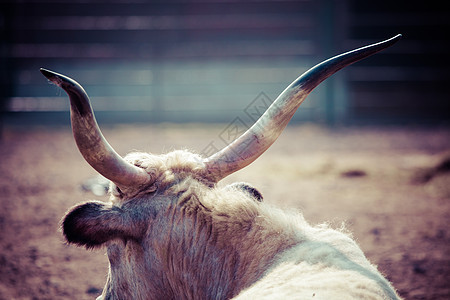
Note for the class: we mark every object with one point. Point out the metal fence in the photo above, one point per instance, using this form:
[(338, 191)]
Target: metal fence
[(208, 61)]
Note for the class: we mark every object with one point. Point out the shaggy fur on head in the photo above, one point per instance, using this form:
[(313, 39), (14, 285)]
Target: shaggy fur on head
[(185, 238), (165, 169)]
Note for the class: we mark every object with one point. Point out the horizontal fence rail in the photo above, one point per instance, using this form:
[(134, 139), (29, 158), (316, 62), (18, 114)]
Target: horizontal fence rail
[(206, 61)]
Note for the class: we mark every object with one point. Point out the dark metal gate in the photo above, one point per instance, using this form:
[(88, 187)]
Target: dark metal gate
[(206, 61)]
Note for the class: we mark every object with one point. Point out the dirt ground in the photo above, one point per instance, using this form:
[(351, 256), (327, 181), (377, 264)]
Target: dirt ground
[(391, 187)]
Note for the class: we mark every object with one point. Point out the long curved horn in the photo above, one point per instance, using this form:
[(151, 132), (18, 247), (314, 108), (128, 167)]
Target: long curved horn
[(257, 139), (90, 141)]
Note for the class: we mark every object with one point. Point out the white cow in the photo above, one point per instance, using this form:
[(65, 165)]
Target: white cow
[(171, 233)]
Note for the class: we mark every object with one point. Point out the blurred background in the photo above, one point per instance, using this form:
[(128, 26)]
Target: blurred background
[(208, 60), (151, 67)]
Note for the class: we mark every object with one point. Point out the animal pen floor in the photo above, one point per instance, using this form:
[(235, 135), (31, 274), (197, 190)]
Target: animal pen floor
[(391, 187)]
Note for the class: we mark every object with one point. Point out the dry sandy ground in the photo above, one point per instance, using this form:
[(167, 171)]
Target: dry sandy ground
[(390, 186)]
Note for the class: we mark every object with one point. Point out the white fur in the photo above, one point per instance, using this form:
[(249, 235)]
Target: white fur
[(185, 238)]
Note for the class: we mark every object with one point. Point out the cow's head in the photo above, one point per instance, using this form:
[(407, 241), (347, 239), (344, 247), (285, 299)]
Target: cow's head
[(169, 230)]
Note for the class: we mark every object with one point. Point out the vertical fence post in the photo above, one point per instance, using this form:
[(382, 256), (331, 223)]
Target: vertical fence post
[(327, 45), (334, 15), (6, 70)]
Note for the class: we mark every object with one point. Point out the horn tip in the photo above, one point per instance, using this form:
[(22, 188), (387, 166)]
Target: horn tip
[(55, 78), (386, 43), (52, 76), (398, 36), (395, 38), (47, 73)]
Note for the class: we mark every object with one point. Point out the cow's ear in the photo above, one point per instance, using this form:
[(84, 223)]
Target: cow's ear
[(93, 223)]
